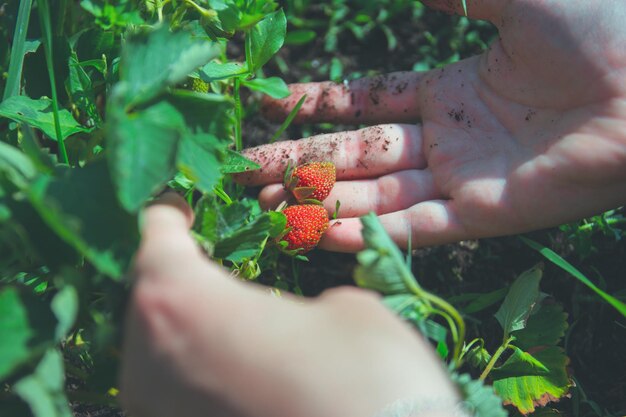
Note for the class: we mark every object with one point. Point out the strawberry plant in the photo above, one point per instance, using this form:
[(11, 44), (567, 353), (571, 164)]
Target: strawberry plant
[(106, 104)]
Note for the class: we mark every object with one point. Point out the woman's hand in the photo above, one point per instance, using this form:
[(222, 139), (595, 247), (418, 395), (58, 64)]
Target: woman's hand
[(530, 134), (202, 343)]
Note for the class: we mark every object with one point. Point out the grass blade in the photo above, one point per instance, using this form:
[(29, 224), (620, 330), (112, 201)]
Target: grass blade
[(288, 120), (44, 19), (464, 6), (553, 257), (17, 50)]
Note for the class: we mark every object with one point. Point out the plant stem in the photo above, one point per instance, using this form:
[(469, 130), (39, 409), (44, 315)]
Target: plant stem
[(159, 6), (60, 23), (466, 348), (292, 114), (204, 12), (495, 358), (261, 248), (219, 191), (452, 325), (238, 116), (610, 221), (451, 311), (44, 18), (12, 87)]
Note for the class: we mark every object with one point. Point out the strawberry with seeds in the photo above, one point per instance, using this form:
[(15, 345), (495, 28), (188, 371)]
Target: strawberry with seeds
[(312, 182), (306, 224)]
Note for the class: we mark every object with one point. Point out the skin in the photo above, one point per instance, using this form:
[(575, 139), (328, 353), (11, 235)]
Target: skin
[(528, 135), (201, 343)]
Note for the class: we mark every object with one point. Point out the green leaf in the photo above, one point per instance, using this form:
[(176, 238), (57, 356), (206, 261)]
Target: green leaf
[(15, 166), (566, 266), (226, 20), (292, 114), (81, 91), (214, 71), (336, 69), (142, 149), (299, 37), (236, 162), (245, 241), (274, 87), (478, 399), (545, 327), (478, 357), (153, 60), (204, 113), (92, 44), (528, 392), (199, 158), (381, 265), (519, 364), (64, 305), (81, 208), (18, 50), (236, 230), (110, 15), (27, 328), (265, 39), (38, 114), (520, 301), (482, 301), (44, 389)]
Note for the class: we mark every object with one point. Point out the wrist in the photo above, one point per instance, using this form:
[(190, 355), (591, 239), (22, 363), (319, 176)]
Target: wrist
[(425, 407)]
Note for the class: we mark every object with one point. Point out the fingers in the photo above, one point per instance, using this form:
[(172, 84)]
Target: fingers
[(476, 9), (382, 99), (166, 242), (386, 194), (365, 153), (430, 223)]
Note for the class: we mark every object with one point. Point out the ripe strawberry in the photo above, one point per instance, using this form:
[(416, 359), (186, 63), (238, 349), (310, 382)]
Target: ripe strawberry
[(312, 181), (305, 226)]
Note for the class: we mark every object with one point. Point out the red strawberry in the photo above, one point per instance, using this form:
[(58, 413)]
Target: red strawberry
[(312, 181), (305, 226)]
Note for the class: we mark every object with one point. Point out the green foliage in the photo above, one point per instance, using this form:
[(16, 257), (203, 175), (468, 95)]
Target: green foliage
[(520, 301), (381, 265), (31, 326), (155, 59), (44, 389), (274, 87), (478, 399), (383, 268), (536, 372), (126, 129), (39, 114), (265, 39), (562, 263), (550, 382)]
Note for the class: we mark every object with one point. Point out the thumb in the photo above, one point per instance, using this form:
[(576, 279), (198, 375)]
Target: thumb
[(168, 212), (476, 9), (165, 239)]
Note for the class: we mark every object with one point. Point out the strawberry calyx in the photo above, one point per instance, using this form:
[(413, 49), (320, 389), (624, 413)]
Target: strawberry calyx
[(309, 182)]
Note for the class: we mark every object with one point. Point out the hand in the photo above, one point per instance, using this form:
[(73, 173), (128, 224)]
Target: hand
[(528, 135), (201, 343)]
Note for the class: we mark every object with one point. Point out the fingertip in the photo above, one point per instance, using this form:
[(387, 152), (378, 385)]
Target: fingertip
[(168, 210), (343, 235), (272, 196)]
